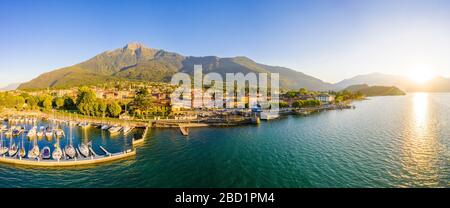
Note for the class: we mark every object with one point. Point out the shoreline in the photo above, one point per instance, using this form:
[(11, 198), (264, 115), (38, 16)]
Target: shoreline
[(157, 122)]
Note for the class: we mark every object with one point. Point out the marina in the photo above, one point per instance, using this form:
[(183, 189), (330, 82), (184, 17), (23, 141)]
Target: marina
[(33, 141), (70, 162), (347, 144)]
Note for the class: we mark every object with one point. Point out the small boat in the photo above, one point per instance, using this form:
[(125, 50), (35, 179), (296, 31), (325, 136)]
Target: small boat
[(40, 134), (3, 148), (15, 132), (32, 132), (70, 151), (34, 152), (57, 153), (22, 151), (59, 132), (49, 133), (269, 115), (84, 149), (83, 124), (13, 150), (127, 129), (114, 129), (105, 127), (46, 153)]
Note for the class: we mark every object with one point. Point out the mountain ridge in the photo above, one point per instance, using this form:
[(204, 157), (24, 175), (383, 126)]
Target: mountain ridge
[(134, 61)]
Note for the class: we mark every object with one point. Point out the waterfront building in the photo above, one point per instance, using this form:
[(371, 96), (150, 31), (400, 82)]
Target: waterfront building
[(325, 98)]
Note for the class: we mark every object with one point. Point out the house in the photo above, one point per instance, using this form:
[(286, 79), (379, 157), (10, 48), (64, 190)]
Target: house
[(325, 98)]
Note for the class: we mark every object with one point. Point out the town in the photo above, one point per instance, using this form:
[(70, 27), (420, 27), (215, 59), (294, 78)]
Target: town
[(148, 101)]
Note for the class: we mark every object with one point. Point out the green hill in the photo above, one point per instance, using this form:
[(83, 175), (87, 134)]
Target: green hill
[(136, 62), (371, 91)]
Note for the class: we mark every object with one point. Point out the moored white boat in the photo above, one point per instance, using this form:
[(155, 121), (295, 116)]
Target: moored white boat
[(3, 148), (105, 127), (22, 151), (70, 151), (83, 124), (34, 152), (269, 115), (59, 132), (127, 129), (49, 133), (57, 153), (84, 149), (13, 150), (32, 132), (115, 129)]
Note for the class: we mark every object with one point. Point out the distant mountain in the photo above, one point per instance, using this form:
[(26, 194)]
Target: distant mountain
[(371, 91), (438, 84), (12, 86), (371, 79), (137, 62)]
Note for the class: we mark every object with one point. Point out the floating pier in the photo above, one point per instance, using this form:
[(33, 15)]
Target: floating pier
[(95, 159)]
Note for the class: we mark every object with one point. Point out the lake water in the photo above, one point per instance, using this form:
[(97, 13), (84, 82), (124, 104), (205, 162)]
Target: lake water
[(384, 142)]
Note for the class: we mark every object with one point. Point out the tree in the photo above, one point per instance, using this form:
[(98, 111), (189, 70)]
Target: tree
[(303, 91), (298, 104), (32, 102), (102, 107), (19, 102), (59, 102), (69, 104), (47, 103), (283, 105), (142, 102), (86, 101), (114, 109)]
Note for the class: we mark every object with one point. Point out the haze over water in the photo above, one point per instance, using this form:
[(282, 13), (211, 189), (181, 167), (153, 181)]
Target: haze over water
[(385, 142)]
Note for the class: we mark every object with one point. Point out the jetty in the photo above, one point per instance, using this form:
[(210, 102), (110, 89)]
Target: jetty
[(141, 140), (94, 159), (184, 130), (106, 151)]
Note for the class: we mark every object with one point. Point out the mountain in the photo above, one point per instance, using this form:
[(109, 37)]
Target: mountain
[(12, 86), (371, 79), (137, 62), (437, 84), (371, 91)]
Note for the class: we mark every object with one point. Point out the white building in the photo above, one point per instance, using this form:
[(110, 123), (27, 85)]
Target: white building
[(325, 98)]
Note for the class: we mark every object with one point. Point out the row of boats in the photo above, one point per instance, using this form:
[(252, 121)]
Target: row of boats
[(117, 129), (19, 150), (50, 132), (33, 132)]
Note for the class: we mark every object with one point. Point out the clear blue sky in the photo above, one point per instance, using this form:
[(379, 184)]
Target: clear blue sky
[(331, 40)]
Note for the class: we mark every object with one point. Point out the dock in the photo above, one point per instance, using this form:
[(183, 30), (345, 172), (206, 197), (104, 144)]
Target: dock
[(184, 130), (142, 139), (106, 151), (68, 162)]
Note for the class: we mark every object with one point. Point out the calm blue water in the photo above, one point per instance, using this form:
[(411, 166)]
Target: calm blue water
[(384, 142)]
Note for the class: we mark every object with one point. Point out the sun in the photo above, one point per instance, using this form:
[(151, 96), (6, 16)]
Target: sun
[(421, 75)]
